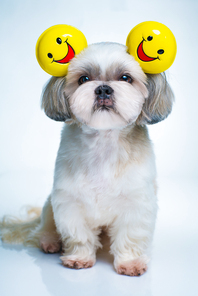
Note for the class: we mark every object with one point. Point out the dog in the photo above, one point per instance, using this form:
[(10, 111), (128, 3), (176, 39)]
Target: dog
[(105, 175)]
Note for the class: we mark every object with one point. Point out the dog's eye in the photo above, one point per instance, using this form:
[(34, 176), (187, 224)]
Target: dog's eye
[(126, 78), (83, 79)]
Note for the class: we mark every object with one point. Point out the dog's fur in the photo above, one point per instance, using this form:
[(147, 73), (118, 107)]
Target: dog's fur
[(105, 174)]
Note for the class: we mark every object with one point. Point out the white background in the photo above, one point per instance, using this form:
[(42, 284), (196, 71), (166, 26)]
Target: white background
[(29, 142)]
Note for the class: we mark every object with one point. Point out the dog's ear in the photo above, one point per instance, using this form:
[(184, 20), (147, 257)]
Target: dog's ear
[(54, 100), (158, 105)]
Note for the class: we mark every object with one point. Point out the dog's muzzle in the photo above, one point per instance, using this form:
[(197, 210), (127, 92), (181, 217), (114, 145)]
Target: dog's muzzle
[(104, 97)]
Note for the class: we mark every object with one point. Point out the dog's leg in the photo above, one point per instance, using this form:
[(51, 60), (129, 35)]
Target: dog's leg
[(131, 235), (79, 240), (45, 234)]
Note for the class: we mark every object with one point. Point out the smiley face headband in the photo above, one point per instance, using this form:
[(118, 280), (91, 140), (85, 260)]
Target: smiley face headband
[(152, 44)]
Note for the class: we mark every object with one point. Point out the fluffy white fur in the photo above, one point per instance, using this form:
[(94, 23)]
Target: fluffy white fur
[(105, 175)]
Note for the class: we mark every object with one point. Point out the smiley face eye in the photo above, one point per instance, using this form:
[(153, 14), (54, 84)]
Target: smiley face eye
[(149, 38), (83, 79), (58, 40), (160, 51), (50, 55), (126, 78)]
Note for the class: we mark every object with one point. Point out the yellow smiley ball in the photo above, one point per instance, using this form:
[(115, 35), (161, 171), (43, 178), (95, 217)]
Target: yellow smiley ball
[(57, 46), (153, 45)]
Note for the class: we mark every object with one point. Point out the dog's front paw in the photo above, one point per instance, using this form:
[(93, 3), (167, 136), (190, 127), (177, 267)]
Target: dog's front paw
[(134, 267), (77, 263)]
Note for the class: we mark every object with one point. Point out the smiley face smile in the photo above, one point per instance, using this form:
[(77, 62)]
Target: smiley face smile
[(142, 55), (70, 55)]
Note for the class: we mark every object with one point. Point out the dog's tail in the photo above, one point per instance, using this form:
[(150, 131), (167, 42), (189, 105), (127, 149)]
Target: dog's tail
[(14, 230)]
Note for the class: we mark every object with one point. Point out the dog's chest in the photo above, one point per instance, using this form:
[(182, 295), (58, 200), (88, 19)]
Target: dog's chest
[(100, 153), (97, 170), (92, 163)]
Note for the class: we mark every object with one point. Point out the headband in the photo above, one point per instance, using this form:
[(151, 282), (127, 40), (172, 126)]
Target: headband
[(152, 44)]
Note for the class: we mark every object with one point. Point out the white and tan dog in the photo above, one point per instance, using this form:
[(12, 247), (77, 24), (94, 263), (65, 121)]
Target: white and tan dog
[(105, 174)]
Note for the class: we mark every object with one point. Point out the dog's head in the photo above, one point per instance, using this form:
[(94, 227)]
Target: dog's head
[(105, 88)]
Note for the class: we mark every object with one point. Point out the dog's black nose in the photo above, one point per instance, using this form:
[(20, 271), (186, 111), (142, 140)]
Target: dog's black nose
[(104, 98), (103, 90)]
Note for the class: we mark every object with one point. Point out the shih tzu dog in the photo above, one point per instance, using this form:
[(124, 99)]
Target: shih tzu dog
[(105, 176)]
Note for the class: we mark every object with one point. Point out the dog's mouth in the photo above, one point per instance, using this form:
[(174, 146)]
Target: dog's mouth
[(104, 103)]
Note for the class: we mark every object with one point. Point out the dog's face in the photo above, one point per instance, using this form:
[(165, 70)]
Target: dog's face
[(105, 88)]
